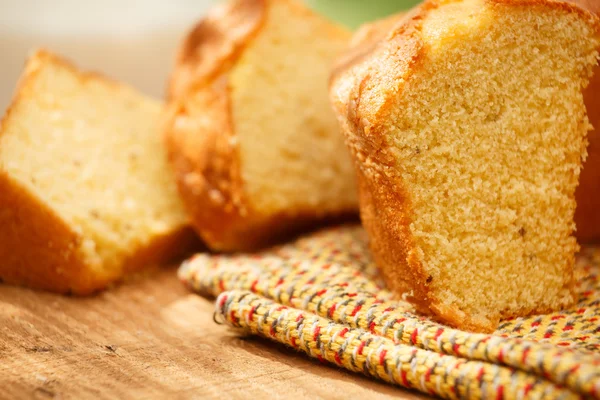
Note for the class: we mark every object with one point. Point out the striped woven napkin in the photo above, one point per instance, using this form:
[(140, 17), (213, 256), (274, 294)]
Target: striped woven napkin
[(322, 295)]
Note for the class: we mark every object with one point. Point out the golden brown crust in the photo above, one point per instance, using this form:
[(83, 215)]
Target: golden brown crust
[(587, 214), (203, 150), (363, 108), (38, 248), (390, 239), (213, 45), (206, 165), (384, 202), (44, 252), (208, 175)]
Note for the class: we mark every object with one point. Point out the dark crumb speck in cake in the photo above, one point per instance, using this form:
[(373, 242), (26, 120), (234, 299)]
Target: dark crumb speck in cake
[(39, 349), (111, 347), (522, 232), (429, 279)]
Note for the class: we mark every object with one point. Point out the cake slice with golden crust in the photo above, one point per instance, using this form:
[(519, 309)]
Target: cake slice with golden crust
[(86, 195), (468, 126), (251, 135)]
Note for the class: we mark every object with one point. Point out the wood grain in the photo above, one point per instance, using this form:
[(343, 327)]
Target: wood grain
[(151, 338)]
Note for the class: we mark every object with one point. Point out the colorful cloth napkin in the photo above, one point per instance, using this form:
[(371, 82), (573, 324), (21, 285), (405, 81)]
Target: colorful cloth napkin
[(322, 295)]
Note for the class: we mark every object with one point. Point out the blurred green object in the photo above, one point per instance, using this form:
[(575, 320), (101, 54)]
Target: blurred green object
[(352, 13)]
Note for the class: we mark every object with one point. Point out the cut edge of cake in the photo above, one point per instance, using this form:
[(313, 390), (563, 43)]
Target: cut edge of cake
[(362, 108), (38, 247), (208, 165)]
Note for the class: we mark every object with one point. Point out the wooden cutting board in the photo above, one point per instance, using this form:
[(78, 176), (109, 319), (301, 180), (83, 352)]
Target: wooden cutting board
[(151, 338)]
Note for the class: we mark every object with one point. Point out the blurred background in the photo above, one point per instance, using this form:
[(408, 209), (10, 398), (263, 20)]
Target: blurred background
[(130, 40)]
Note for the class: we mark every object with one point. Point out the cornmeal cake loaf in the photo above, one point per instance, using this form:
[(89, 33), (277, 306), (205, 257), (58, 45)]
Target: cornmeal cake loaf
[(251, 135), (467, 125), (85, 191), (587, 213)]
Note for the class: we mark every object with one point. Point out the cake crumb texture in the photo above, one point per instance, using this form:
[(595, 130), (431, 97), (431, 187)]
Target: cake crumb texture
[(253, 140), (86, 194), (468, 126)]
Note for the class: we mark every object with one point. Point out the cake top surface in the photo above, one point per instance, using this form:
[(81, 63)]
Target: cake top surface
[(388, 50), (212, 47)]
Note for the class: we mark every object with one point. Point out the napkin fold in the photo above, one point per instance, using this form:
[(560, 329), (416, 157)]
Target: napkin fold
[(322, 295)]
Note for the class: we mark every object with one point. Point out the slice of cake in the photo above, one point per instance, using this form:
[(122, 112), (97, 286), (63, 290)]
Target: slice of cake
[(251, 135), (468, 126), (86, 194), (587, 213)]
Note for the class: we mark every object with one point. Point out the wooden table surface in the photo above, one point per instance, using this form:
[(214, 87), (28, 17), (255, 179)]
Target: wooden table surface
[(151, 338)]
